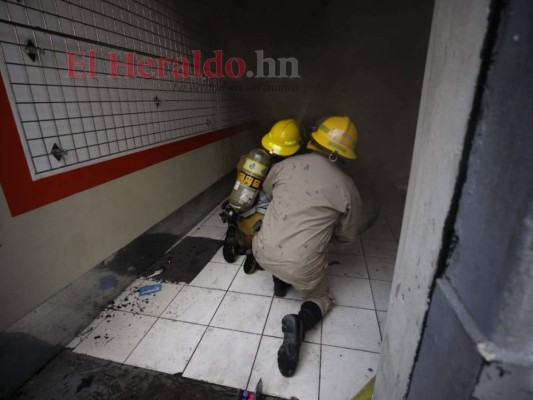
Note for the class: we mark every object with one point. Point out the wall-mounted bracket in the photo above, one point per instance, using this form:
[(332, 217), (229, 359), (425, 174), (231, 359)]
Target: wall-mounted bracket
[(31, 50), (58, 152)]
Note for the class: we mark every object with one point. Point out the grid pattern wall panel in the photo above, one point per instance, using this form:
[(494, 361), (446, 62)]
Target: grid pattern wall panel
[(64, 122)]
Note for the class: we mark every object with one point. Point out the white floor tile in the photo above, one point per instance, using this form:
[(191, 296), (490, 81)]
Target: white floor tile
[(381, 268), (259, 283), (353, 328), (216, 276), (116, 337), (381, 291), (352, 292), (192, 304), (151, 304), (382, 318), (282, 307), (242, 312), (213, 232), (224, 357), (352, 248), (380, 248), (344, 372), (347, 265), (302, 385), (214, 220), (87, 331), (378, 232), (167, 347), (219, 258)]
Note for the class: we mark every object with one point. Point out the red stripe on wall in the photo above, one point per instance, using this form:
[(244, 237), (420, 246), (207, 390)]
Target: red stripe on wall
[(23, 194)]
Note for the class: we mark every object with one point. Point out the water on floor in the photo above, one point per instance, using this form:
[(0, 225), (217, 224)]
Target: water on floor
[(224, 327)]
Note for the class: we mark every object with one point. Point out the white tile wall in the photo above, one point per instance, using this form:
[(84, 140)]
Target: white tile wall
[(43, 92)]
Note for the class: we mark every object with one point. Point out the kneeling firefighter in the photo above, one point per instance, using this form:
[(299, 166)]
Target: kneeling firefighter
[(247, 203), (312, 203)]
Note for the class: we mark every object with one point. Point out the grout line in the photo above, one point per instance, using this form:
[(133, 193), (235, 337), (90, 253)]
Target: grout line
[(286, 298), (209, 324), (381, 280), (343, 275), (191, 231), (219, 327), (183, 321), (350, 348), (170, 302), (157, 319), (106, 309), (260, 341), (374, 301), (137, 345)]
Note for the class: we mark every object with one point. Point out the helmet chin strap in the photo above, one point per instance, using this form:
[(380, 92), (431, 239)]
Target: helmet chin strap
[(333, 157)]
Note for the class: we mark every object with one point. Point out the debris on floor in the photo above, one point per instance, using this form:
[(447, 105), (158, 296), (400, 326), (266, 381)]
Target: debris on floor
[(149, 289), (219, 325), (156, 273), (185, 261)]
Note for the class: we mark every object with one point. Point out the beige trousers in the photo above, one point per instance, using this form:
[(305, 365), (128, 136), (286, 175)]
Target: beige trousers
[(312, 286)]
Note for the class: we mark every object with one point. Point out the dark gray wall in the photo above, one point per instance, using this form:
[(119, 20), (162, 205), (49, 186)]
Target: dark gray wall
[(360, 58), (447, 348), (489, 268), (491, 265)]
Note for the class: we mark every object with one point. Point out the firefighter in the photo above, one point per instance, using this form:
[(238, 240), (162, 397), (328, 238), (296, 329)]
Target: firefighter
[(243, 213), (312, 201)]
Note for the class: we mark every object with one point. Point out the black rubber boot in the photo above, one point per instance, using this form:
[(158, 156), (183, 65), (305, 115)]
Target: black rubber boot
[(230, 251), (250, 264), (280, 287), (294, 328), (311, 315)]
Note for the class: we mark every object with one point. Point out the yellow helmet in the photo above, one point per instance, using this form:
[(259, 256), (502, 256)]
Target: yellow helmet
[(283, 139), (336, 134)]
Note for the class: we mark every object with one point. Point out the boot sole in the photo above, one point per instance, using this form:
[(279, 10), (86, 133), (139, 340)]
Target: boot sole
[(229, 252), (288, 353)]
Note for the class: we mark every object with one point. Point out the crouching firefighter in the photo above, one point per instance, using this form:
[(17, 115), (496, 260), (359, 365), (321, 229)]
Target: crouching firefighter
[(247, 204), (312, 202)]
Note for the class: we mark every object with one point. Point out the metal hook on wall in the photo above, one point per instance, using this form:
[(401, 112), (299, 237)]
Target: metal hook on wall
[(31, 50)]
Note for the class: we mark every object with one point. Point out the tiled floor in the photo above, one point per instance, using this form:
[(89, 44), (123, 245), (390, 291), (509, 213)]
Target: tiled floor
[(224, 327)]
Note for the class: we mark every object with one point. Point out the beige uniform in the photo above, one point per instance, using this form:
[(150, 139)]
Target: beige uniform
[(311, 201)]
